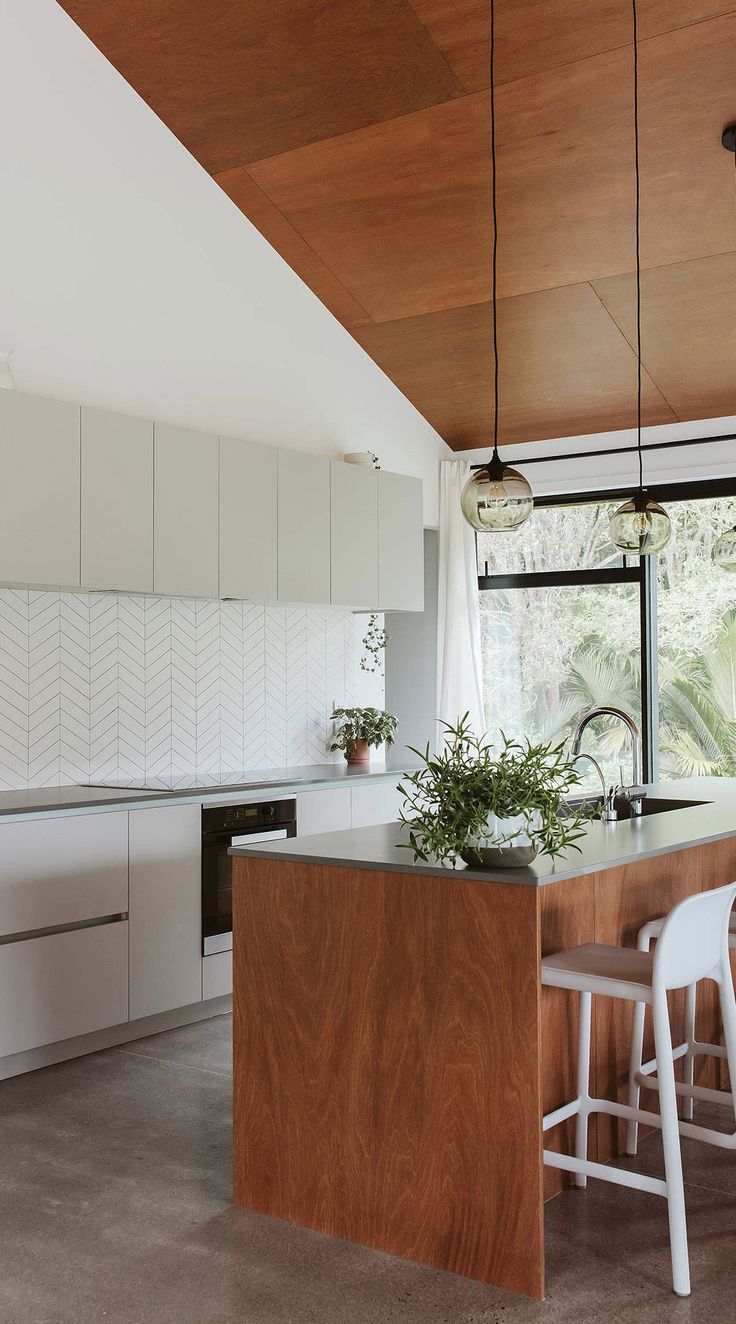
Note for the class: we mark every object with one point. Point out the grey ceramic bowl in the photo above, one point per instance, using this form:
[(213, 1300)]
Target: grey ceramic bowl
[(500, 857)]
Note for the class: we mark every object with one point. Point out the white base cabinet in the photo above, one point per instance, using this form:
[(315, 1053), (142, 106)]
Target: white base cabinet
[(62, 985), (376, 803), (165, 908), (323, 811), (217, 975)]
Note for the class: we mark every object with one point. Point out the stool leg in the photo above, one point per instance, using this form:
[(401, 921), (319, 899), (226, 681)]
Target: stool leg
[(671, 1143), (581, 1122), (637, 1043), (688, 1074)]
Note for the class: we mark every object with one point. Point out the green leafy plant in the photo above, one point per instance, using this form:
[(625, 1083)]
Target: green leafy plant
[(374, 643), (449, 800), (372, 725)]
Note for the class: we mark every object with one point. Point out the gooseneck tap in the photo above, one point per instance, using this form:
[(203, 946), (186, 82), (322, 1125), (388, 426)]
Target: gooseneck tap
[(636, 792)]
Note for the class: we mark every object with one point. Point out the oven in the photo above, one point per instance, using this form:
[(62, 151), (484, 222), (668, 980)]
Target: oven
[(223, 827)]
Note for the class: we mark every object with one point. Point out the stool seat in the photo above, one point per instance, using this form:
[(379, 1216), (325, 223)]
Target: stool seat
[(615, 972)]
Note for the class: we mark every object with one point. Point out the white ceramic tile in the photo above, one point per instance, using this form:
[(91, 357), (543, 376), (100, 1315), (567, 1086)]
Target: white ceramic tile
[(99, 685)]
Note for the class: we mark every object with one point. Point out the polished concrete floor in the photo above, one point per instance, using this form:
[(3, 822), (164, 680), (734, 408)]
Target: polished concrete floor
[(114, 1206)]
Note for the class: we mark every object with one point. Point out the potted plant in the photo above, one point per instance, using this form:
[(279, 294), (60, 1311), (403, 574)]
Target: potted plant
[(490, 809), (360, 730)]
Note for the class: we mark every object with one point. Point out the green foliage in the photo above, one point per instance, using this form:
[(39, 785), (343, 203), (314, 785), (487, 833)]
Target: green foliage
[(374, 644), (449, 800), (370, 724)]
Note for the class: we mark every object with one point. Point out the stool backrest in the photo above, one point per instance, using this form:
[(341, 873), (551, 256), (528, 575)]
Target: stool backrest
[(694, 941)]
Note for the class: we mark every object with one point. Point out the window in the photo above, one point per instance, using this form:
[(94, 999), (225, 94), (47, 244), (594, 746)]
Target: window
[(696, 626), (568, 624)]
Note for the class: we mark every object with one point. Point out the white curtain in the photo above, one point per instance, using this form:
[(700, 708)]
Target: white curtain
[(459, 667)]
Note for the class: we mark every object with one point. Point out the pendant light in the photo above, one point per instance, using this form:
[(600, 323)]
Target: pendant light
[(640, 527), (724, 552), (495, 498)]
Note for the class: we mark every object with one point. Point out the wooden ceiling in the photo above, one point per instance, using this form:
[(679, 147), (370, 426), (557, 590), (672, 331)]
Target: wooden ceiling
[(354, 136)]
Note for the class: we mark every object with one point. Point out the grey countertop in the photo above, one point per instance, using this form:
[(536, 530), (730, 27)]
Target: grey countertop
[(274, 783), (605, 845)]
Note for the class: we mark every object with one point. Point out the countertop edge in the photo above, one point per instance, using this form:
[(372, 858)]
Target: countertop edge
[(134, 799)]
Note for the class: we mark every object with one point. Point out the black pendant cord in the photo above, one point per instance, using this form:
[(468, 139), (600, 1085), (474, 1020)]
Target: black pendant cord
[(637, 173), (494, 209)]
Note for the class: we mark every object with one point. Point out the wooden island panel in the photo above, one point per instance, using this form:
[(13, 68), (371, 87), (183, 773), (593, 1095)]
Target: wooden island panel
[(386, 1037)]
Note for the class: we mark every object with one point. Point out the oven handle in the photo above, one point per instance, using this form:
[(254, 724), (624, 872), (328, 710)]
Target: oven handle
[(250, 837)]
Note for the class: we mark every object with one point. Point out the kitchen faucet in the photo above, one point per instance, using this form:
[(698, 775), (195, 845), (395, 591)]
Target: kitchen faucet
[(634, 793)]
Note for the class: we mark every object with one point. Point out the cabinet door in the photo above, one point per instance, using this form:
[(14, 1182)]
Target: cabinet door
[(117, 502), (400, 543), (185, 512), (354, 534), (39, 490), (376, 803), (304, 528), (165, 908), (248, 529), (217, 975), (62, 985), (323, 811), (62, 871)]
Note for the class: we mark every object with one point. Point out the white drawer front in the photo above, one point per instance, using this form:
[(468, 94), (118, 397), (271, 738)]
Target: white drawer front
[(62, 985), (61, 870), (217, 975)]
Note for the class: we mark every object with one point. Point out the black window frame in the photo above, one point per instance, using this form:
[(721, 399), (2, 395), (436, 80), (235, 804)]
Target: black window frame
[(642, 572)]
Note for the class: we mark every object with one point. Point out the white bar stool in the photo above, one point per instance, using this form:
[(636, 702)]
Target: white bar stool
[(641, 1074), (693, 945)]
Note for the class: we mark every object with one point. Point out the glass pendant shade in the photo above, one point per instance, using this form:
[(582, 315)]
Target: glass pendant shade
[(640, 527), (496, 498), (724, 552)]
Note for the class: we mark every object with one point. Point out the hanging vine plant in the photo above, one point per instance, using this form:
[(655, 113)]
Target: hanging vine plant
[(374, 645)]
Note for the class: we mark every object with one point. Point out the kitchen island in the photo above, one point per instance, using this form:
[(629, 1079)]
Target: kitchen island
[(394, 1051)]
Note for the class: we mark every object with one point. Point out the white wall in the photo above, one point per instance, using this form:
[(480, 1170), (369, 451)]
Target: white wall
[(714, 460), (128, 280)]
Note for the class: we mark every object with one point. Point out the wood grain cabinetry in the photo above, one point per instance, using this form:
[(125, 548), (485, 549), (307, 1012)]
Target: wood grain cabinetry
[(39, 492)]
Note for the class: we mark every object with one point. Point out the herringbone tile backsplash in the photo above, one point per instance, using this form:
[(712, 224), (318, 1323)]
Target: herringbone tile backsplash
[(100, 685)]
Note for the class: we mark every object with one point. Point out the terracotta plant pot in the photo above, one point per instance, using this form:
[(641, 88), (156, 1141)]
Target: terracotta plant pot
[(358, 752)]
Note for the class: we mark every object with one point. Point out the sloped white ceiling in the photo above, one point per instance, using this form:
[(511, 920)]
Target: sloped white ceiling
[(129, 280)]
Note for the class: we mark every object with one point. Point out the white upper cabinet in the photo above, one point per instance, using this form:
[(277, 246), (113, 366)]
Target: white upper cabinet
[(400, 543), (117, 501), (248, 521), (39, 491), (303, 528), (185, 512), (354, 535)]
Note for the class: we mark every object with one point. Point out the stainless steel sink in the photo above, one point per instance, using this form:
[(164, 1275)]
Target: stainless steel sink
[(651, 805)]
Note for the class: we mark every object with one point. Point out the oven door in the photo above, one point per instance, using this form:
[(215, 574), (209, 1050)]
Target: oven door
[(217, 883)]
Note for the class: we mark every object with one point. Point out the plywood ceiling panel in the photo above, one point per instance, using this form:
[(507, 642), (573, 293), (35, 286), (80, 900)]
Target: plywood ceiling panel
[(688, 92), (398, 211), (236, 80), (688, 331), (274, 227), (532, 35), (355, 136), (565, 368)]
